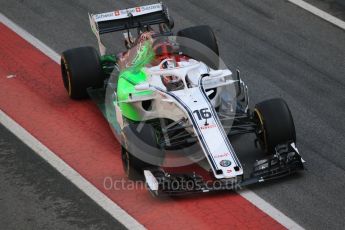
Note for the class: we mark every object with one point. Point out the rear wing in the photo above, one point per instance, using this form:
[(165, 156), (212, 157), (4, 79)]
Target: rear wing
[(126, 19), (131, 18)]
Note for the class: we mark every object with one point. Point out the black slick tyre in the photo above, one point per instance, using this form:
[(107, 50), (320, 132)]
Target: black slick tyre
[(275, 124), (140, 150), (81, 69)]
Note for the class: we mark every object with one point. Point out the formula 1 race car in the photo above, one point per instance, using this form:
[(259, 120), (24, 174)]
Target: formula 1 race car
[(168, 93)]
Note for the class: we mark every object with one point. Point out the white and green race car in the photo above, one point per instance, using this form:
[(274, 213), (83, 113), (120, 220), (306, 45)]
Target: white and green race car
[(173, 93)]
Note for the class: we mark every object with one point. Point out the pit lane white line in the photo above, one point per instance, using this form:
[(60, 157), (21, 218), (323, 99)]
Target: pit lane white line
[(322, 14), (96, 195), (81, 182), (102, 200), (263, 205)]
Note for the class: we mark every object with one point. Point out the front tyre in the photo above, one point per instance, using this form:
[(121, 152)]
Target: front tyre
[(132, 166), (81, 69), (140, 150), (275, 124)]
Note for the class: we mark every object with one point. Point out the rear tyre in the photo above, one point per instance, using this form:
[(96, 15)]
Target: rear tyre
[(275, 124), (204, 35), (81, 69), (140, 150)]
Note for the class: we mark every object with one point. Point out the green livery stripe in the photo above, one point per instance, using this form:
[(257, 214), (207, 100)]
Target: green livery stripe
[(132, 76)]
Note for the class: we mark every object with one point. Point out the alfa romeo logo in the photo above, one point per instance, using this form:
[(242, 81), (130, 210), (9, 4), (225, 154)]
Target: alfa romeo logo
[(225, 163)]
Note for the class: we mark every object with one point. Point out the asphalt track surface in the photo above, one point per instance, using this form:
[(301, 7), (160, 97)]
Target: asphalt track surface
[(35, 196), (282, 50), (334, 7)]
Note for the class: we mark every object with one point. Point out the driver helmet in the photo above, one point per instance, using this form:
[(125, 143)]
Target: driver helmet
[(171, 82), (163, 49)]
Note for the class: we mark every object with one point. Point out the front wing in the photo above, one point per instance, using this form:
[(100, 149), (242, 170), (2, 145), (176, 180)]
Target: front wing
[(285, 161)]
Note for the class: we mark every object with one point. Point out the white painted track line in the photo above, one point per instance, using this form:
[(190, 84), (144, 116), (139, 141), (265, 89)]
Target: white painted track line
[(263, 205), (322, 14), (90, 190), (29, 38), (81, 182), (269, 209), (102, 200)]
